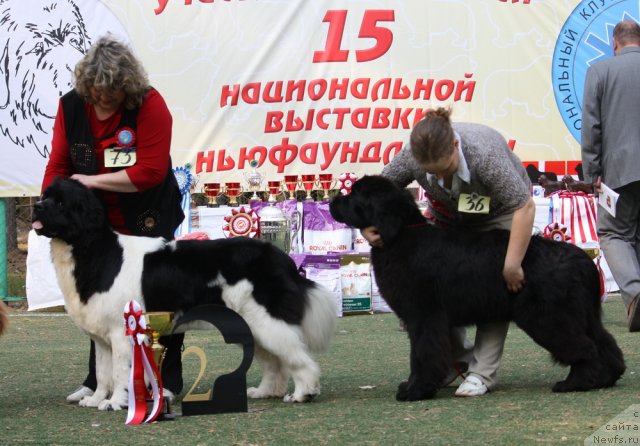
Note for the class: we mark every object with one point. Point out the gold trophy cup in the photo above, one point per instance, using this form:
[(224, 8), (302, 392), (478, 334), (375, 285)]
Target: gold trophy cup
[(327, 182), (291, 183), (274, 188), (592, 249), (211, 191), (159, 323), (233, 191), (308, 182)]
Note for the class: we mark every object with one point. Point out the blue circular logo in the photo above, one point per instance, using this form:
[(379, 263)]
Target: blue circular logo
[(585, 39)]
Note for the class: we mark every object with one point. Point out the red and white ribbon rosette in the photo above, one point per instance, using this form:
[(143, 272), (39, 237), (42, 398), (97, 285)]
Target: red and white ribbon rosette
[(345, 182), (241, 223), (557, 231), (141, 364)]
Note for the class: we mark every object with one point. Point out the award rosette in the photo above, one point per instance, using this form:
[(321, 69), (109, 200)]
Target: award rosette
[(242, 222), (126, 137), (345, 182), (556, 231), (184, 178), (142, 363)]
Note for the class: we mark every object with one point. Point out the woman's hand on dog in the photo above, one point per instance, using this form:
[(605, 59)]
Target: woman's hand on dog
[(371, 234), (513, 277)]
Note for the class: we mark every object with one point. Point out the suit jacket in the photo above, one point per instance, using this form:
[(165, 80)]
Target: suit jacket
[(611, 121)]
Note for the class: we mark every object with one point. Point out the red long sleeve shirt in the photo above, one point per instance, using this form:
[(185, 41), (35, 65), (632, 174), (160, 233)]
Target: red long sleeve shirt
[(153, 142)]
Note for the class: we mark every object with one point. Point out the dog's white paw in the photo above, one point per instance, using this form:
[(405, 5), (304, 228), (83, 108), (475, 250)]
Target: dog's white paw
[(111, 405), (254, 392), (90, 401), (257, 392), (93, 400), (293, 398)]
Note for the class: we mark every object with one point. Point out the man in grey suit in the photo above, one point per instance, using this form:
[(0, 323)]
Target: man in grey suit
[(611, 155)]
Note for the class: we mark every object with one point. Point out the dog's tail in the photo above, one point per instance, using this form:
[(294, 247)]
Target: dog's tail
[(319, 322), (4, 318)]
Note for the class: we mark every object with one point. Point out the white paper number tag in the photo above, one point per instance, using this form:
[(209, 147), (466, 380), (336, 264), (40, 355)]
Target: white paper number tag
[(119, 157), (608, 199), (473, 203)]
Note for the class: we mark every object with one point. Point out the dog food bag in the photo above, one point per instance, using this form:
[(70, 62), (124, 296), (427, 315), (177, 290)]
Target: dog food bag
[(324, 270), (360, 244), (321, 233), (378, 304), (355, 281), (211, 221)]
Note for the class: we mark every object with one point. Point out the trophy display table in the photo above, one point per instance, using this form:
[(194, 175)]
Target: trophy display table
[(42, 288)]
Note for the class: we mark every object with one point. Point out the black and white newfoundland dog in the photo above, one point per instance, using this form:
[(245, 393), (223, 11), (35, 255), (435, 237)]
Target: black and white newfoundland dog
[(99, 271), (434, 278)]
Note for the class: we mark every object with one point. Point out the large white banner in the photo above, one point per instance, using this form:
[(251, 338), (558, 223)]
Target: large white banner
[(311, 86)]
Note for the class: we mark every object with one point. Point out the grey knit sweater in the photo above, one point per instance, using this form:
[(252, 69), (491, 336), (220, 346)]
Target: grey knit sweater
[(495, 172)]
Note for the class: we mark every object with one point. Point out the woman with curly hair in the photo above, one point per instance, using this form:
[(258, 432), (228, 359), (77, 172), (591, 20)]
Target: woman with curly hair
[(112, 133)]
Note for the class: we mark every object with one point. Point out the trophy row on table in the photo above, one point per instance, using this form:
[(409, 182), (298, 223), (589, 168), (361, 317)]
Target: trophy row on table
[(274, 188)]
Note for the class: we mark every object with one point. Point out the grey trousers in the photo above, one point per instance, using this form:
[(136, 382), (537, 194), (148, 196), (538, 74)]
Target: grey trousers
[(484, 358), (620, 240)]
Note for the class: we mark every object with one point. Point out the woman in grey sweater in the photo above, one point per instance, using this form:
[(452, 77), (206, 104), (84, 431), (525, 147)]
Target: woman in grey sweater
[(474, 181)]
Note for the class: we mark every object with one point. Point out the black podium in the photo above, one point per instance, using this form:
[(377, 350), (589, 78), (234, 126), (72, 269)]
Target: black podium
[(229, 391)]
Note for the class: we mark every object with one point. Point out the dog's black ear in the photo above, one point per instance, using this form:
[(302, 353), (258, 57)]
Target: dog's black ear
[(85, 208), (94, 209), (97, 213), (393, 211)]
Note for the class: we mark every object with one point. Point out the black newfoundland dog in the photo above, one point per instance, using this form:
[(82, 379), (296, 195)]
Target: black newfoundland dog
[(99, 271), (435, 278)]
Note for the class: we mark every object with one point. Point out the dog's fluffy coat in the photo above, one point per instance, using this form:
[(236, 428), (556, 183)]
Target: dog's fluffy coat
[(99, 271), (436, 278)]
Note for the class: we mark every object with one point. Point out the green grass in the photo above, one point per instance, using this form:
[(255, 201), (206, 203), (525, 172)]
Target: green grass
[(44, 358)]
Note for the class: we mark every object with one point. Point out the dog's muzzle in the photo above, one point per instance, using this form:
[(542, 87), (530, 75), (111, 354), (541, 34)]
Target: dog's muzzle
[(36, 223)]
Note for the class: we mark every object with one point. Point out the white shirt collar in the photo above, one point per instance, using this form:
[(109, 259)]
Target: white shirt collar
[(463, 168)]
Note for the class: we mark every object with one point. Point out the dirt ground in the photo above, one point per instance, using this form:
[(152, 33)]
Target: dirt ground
[(17, 257), (17, 261)]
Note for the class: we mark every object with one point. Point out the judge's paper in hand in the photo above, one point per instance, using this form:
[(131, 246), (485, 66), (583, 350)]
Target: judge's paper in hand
[(608, 199)]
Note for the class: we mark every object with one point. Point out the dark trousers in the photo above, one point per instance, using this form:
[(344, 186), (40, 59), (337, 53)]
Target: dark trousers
[(171, 370)]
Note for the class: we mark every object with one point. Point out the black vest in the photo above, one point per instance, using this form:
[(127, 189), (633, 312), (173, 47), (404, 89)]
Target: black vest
[(155, 212)]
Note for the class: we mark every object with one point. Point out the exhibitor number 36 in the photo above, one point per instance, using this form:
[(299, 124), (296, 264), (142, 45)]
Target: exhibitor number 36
[(473, 204)]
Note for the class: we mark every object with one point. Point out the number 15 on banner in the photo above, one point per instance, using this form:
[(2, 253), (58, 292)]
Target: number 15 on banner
[(369, 28)]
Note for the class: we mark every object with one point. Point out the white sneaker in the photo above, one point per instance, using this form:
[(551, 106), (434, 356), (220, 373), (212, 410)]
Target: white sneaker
[(79, 393), (472, 386)]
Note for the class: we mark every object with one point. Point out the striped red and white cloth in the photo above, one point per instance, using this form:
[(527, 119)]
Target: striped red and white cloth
[(577, 212)]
